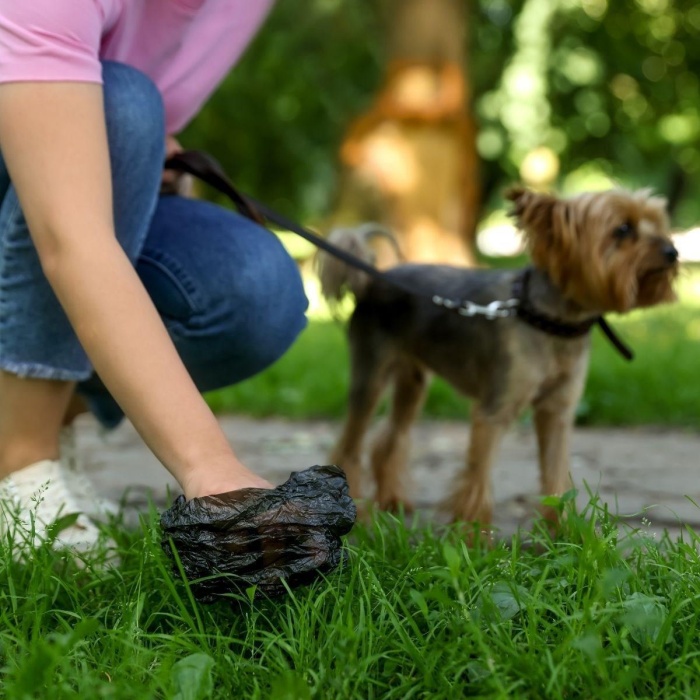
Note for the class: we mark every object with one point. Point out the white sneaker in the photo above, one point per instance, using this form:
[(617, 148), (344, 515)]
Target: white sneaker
[(94, 506), (33, 499)]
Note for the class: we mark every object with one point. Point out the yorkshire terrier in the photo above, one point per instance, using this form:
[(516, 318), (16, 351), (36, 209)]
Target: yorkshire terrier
[(591, 254)]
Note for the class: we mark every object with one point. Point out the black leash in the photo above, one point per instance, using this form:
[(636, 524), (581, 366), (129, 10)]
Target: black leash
[(616, 341), (207, 169)]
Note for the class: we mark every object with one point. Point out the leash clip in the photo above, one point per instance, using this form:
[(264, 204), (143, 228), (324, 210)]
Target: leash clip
[(493, 310), (496, 309)]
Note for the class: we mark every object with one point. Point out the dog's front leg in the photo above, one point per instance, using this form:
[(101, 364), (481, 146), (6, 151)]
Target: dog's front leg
[(473, 500), (553, 424)]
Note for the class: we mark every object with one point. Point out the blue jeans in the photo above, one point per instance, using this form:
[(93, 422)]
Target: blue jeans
[(227, 291)]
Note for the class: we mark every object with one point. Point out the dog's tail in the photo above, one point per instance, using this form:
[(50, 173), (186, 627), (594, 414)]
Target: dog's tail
[(338, 278)]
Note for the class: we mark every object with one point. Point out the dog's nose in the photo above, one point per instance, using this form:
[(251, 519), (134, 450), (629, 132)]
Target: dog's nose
[(670, 253)]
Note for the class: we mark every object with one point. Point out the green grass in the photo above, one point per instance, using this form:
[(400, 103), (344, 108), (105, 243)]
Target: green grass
[(659, 387), (413, 614)]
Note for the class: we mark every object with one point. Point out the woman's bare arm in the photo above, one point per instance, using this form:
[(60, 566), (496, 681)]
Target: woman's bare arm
[(54, 143)]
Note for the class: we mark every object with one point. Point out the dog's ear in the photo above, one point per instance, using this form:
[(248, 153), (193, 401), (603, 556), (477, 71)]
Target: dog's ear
[(544, 218), (532, 210), (549, 230)]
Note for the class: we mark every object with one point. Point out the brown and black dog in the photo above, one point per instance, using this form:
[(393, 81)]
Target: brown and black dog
[(591, 254)]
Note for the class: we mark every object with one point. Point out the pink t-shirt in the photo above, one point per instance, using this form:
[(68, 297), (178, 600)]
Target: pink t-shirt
[(185, 46)]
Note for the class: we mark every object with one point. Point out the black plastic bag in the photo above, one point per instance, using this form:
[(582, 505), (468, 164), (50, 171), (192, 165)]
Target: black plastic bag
[(261, 537)]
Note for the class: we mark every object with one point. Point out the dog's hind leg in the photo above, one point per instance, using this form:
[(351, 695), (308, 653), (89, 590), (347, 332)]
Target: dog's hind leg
[(390, 450), (370, 369), (473, 500)]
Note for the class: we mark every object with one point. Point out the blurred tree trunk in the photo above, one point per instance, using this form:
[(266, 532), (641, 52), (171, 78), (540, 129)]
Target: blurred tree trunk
[(410, 161)]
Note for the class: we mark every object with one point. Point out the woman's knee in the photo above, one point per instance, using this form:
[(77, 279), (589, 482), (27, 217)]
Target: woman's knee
[(239, 350), (278, 310), (134, 114), (267, 312), (231, 295)]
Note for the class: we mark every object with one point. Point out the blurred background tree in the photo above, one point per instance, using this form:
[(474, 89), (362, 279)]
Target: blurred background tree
[(565, 93), (409, 161)]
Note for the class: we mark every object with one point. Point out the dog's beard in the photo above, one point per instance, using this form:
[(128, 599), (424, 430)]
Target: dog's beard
[(656, 287)]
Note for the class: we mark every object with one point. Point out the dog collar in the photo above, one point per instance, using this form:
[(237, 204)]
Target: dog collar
[(526, 312)]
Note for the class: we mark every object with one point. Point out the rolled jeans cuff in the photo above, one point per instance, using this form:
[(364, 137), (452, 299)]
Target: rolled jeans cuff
[(30, 370)]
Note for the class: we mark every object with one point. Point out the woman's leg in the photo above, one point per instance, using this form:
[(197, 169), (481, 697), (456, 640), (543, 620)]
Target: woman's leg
[(29, 409), (230, 295), (40, 356)]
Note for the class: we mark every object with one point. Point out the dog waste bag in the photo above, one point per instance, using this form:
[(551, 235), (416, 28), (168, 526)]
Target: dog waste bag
[(231, 541)]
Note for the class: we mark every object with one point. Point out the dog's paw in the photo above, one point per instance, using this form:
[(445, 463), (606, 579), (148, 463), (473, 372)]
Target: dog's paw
[(394, 504), (473, 507)]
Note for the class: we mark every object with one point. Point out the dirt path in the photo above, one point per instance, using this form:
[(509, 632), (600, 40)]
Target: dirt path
[(652, 475)]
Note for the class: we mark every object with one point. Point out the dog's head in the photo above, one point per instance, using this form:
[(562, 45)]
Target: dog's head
[(606, 251)]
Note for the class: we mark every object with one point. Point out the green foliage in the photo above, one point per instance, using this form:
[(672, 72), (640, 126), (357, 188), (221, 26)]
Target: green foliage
[(625, 90), (277, 120), (659, 386), (610, 87)]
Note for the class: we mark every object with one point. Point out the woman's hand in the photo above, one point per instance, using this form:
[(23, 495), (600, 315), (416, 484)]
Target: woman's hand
[(174, 182), (172, 146)]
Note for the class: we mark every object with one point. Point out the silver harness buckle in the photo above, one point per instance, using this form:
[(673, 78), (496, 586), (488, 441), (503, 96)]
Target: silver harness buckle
[(493, 310)]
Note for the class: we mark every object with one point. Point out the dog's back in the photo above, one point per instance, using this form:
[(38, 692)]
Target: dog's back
[(389, 321)]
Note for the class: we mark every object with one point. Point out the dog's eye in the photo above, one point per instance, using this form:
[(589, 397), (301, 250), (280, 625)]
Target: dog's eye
[(624, 231)]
